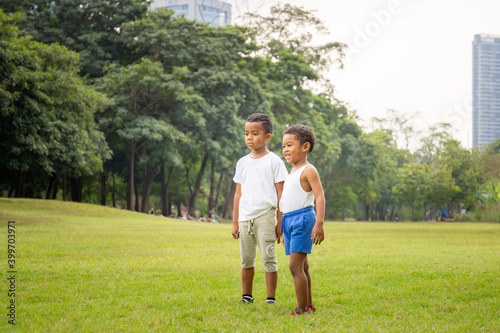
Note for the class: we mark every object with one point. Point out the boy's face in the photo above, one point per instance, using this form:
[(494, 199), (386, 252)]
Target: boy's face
[(255, 136), (293, 151)]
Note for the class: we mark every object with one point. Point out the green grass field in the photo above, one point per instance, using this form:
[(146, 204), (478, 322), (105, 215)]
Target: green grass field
[(85, 268)]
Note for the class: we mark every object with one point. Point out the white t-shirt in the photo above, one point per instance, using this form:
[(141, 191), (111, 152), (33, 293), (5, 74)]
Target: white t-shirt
[(258, 178)]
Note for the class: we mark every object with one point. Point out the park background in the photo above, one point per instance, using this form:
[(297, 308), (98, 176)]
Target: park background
[(120, 106), (109, 113)]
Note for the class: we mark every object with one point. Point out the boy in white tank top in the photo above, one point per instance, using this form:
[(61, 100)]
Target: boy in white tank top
[(301, 226)]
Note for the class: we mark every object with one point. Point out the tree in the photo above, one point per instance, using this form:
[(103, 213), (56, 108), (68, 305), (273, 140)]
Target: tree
[(47, 113), (413, 187), (399, 125), (89, 27), (217, 67), (148, 104), (387, 159), (291, 28), (490, 160)]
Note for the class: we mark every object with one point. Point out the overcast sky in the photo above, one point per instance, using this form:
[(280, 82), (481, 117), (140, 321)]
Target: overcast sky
[(407, 55)]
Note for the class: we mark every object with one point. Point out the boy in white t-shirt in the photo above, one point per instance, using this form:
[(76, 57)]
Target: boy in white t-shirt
[(259, 181)]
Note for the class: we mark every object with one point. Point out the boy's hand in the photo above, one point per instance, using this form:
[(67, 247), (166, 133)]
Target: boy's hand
[(279, 238), (318, 234), (235, 230)]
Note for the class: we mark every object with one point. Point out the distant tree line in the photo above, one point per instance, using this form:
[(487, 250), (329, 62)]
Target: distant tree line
[(107, 102)]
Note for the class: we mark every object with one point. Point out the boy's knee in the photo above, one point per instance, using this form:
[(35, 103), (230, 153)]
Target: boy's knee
[(306, 267), (295, 268), (247, 262), (247, 265), (271, 266)]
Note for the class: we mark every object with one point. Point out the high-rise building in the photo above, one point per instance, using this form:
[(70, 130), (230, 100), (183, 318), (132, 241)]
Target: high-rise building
[(486, 89), (214, 12)]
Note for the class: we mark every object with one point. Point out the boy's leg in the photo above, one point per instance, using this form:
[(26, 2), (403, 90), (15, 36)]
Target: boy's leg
[(300, 279), (247, 280), (265, 232), (271, 284), (248, 251), (306, 271)]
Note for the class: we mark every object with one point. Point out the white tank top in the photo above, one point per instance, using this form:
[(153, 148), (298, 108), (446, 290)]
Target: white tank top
[(294, 197)]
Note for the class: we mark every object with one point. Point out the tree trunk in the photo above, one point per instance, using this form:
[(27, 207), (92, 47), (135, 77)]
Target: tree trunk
[(212, 188), (365, 209), (149, 176), (179, 212), (229, 202), (103, 188), (12, 191), (52, 189), (165, 207), (76, 188), (20, 186), (196, 189), (136, 193), (113, 199), (391, 215), (223, 175), (65, 177), (132, 178)]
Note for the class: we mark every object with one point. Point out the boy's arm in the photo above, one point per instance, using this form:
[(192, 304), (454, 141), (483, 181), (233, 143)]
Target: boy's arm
[(279, 191), (236, 210), (312, 176)]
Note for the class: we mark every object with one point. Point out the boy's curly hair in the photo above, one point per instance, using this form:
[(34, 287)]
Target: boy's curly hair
[(303, 133), (262, 118)]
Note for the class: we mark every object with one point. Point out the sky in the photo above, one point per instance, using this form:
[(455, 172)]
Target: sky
[(407, 55)]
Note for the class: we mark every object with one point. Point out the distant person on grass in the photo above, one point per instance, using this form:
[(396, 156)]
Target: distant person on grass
[(259, 181), (301, 225), (444, 215)]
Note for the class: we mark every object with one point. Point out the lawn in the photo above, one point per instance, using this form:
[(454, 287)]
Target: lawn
[(86, 268)]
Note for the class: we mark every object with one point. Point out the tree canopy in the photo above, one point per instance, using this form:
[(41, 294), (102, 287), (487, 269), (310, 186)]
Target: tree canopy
[(145, 110)]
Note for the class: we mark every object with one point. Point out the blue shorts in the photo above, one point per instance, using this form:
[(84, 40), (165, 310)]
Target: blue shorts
[(297, 228)]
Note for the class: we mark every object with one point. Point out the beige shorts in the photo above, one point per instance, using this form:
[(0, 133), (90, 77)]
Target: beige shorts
[(260, 231)]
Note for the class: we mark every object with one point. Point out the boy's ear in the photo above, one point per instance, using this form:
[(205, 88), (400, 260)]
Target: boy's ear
[(307, 146), (268, 136)]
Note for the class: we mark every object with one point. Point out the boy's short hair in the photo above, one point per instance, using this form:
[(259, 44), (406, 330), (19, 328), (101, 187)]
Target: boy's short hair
[(263, 118), (303, 133)]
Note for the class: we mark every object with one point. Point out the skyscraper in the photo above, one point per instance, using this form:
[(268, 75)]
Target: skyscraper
[(214, 12), (486, 89)]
